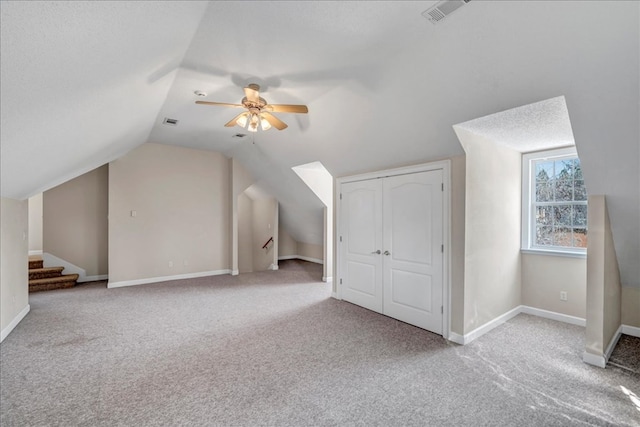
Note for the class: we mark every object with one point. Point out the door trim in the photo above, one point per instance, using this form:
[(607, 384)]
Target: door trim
[(445, 166)]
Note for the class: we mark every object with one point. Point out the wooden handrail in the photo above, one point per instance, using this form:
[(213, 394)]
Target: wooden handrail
[(268, 241)]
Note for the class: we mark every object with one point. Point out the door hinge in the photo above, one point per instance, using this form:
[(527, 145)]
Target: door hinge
[(443, 186), (340, 196), (341, 238), (442, 248), (341, 281), (441, 309)]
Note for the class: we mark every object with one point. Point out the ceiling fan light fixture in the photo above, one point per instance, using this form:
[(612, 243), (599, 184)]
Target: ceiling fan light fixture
[(242, 120), (258, 114), (264, 123), (253, 123)]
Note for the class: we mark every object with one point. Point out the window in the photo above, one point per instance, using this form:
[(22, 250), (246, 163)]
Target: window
[(554, 203)]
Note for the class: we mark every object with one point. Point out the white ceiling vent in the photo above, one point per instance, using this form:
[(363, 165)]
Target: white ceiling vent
[(443, 9), (170, 122)]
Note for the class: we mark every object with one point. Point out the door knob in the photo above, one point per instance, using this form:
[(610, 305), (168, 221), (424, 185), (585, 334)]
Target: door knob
[(387, 253), (376, 252)]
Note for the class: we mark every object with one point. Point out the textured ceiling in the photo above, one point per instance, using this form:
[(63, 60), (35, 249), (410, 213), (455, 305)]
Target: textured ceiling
[(539, 126), (84, 82)]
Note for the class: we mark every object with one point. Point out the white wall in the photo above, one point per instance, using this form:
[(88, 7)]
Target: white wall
[(75, 225), (310, 250), (35, 224), (181, 199), (240, 179), (245, 233), (492, 271), (287, 246), (458, 182), (603, 281), (264, 226), (320, 181), (630, 306), (14, 278), (544, 276)]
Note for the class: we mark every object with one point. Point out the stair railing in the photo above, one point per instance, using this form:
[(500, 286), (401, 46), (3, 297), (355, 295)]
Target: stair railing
[(266, 246)]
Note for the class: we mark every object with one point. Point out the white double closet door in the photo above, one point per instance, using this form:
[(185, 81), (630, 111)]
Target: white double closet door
[(391, 248)]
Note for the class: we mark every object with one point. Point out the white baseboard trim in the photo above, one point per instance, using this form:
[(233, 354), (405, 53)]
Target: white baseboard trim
[(7, 330), (273, 267), (166, 278), (334, 295), (478, 332), (302, 257), (456, 338), (235, 272), (36, 252), (631, 330), (612, 344), (327, 279), (93, 278), (594, 359), (601, 361), (553, 315)]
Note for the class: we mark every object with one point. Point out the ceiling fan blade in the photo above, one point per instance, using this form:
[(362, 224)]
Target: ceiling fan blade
[(222, 104), (273, 120), (286, 108), (234, 121), (252, 93)]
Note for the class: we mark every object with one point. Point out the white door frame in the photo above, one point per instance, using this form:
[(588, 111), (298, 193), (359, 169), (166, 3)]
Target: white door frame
[(445, 166)]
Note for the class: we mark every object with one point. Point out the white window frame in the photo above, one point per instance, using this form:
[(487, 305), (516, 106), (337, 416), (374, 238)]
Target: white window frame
[(528, 214)]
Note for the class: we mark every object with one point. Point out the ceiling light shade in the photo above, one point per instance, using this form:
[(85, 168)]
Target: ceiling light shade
[(242, 120), (264, 123), (253, 123)]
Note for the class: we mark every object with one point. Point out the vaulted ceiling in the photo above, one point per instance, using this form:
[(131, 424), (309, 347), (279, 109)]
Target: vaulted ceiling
[(82, 83)]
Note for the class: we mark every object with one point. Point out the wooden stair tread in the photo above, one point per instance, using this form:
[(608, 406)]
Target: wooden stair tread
[(44, 273), (59, 279), (38, 263), (46, 270)]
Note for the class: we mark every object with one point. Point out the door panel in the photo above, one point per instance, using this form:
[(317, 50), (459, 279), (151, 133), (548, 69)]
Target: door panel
[(361, 277), (361, 222), (400, 216), (411, 290), (412, 234)]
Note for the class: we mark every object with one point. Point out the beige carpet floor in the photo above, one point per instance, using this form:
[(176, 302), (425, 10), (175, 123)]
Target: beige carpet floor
[(273, 349)]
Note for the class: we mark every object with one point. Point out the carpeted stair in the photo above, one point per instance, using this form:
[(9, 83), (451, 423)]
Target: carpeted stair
[(48, 279)]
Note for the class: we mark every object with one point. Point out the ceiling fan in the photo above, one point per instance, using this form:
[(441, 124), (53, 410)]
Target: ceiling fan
[(258, 112)]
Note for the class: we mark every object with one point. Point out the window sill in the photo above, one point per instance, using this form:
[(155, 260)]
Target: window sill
[(566, 254)]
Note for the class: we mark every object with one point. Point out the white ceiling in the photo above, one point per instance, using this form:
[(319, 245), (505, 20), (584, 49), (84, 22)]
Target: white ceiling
[(84, 82), (539, 126)]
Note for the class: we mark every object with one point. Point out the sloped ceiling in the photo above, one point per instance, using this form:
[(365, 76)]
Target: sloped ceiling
[(83, 82)]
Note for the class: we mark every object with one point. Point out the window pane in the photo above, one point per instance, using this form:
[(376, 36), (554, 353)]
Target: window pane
[(579, 192), (562, 237), (562, 215), (563, 190), (580, 237), (558, 201), (577, 173), (544, 171), (544, 216), (564, 169), (544, 236), (580, 215), (544, 192)]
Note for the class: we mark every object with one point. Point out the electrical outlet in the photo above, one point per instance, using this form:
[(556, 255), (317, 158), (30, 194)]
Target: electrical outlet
[(170, 264), (563, 295)]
